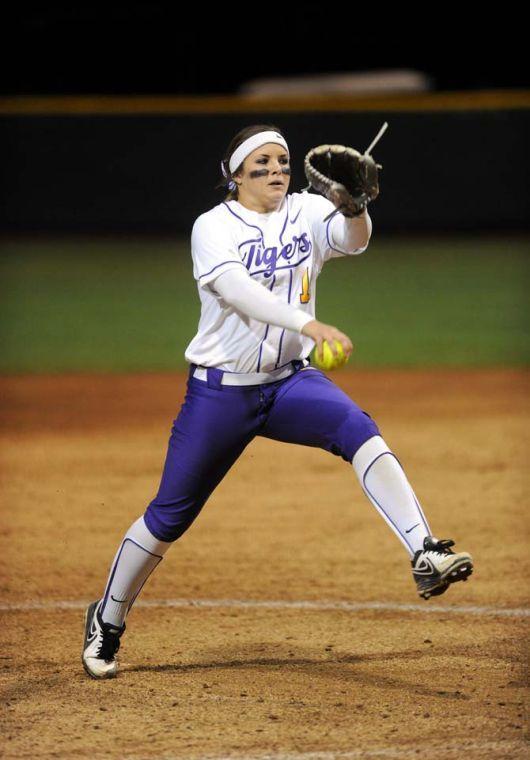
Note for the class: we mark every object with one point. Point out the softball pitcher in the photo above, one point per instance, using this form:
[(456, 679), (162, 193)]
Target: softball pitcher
[(256, 259)]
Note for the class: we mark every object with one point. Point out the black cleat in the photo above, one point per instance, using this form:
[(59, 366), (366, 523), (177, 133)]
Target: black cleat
[(101, 643), (435, 567)]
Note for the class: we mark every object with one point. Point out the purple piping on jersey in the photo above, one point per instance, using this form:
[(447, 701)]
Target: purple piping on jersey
[(290, 286), (254, 226), (283, 331), (342, 253), (266, 330), (279, 348), (370, 494), (286, 220), (228, 261), (109, 584), (287, 266)]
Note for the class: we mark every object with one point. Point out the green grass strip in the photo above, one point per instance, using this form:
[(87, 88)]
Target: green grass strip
[(117, 305)]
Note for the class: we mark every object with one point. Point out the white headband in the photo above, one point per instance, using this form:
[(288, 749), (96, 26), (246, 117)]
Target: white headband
[(246, 148)]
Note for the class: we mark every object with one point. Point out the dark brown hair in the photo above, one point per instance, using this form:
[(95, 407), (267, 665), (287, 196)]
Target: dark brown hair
[(235, 142)]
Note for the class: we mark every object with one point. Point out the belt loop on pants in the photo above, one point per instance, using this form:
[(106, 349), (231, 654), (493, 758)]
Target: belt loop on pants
[(214, 378)]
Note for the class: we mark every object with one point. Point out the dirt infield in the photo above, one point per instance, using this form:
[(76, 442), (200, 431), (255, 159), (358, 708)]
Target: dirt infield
[(382, 676)]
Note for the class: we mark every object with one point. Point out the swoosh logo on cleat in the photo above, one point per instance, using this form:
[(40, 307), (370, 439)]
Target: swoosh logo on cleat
[(92, 634), (424, 568), (414, 526)]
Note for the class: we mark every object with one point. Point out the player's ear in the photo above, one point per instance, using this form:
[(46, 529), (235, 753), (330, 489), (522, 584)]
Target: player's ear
[(237, 176)]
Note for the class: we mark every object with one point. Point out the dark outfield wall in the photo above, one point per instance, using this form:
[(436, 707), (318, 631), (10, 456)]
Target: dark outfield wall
[(442, 171)]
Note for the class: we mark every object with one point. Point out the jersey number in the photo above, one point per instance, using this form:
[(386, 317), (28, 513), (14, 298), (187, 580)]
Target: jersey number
[(305, 295)]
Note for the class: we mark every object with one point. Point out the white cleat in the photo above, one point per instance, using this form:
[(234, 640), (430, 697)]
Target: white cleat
[(435, 567), (101, 643)]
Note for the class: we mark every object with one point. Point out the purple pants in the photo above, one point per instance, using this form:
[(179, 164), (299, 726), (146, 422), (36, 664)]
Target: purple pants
[(216, 423)]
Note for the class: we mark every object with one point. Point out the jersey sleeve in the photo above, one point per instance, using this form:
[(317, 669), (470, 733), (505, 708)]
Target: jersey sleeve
[(331, 237), (213, 249), (238, 289)]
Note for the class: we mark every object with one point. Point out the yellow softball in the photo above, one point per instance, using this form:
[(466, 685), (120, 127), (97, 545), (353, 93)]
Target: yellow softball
[(328, 361)]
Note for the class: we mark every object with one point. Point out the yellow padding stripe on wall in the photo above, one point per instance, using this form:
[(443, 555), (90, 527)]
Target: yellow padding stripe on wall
[(126, 105)]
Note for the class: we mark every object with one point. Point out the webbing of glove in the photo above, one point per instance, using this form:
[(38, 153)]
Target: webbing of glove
[(344, 176)]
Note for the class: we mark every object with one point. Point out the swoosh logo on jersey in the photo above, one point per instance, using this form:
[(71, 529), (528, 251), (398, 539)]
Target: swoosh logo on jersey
[(119, 601), (414, 526)]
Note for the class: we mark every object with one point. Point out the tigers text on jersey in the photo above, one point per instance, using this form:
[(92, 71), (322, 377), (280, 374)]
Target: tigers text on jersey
[(283, 250)]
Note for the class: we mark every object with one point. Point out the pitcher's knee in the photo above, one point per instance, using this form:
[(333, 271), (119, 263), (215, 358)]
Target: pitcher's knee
[(357, 428), (167, 521)]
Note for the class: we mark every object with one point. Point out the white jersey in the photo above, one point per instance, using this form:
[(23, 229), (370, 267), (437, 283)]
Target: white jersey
[(283, 250)]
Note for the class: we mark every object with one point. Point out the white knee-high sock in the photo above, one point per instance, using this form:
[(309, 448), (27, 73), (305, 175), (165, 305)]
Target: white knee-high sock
[(384, 482), (138, 555)]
